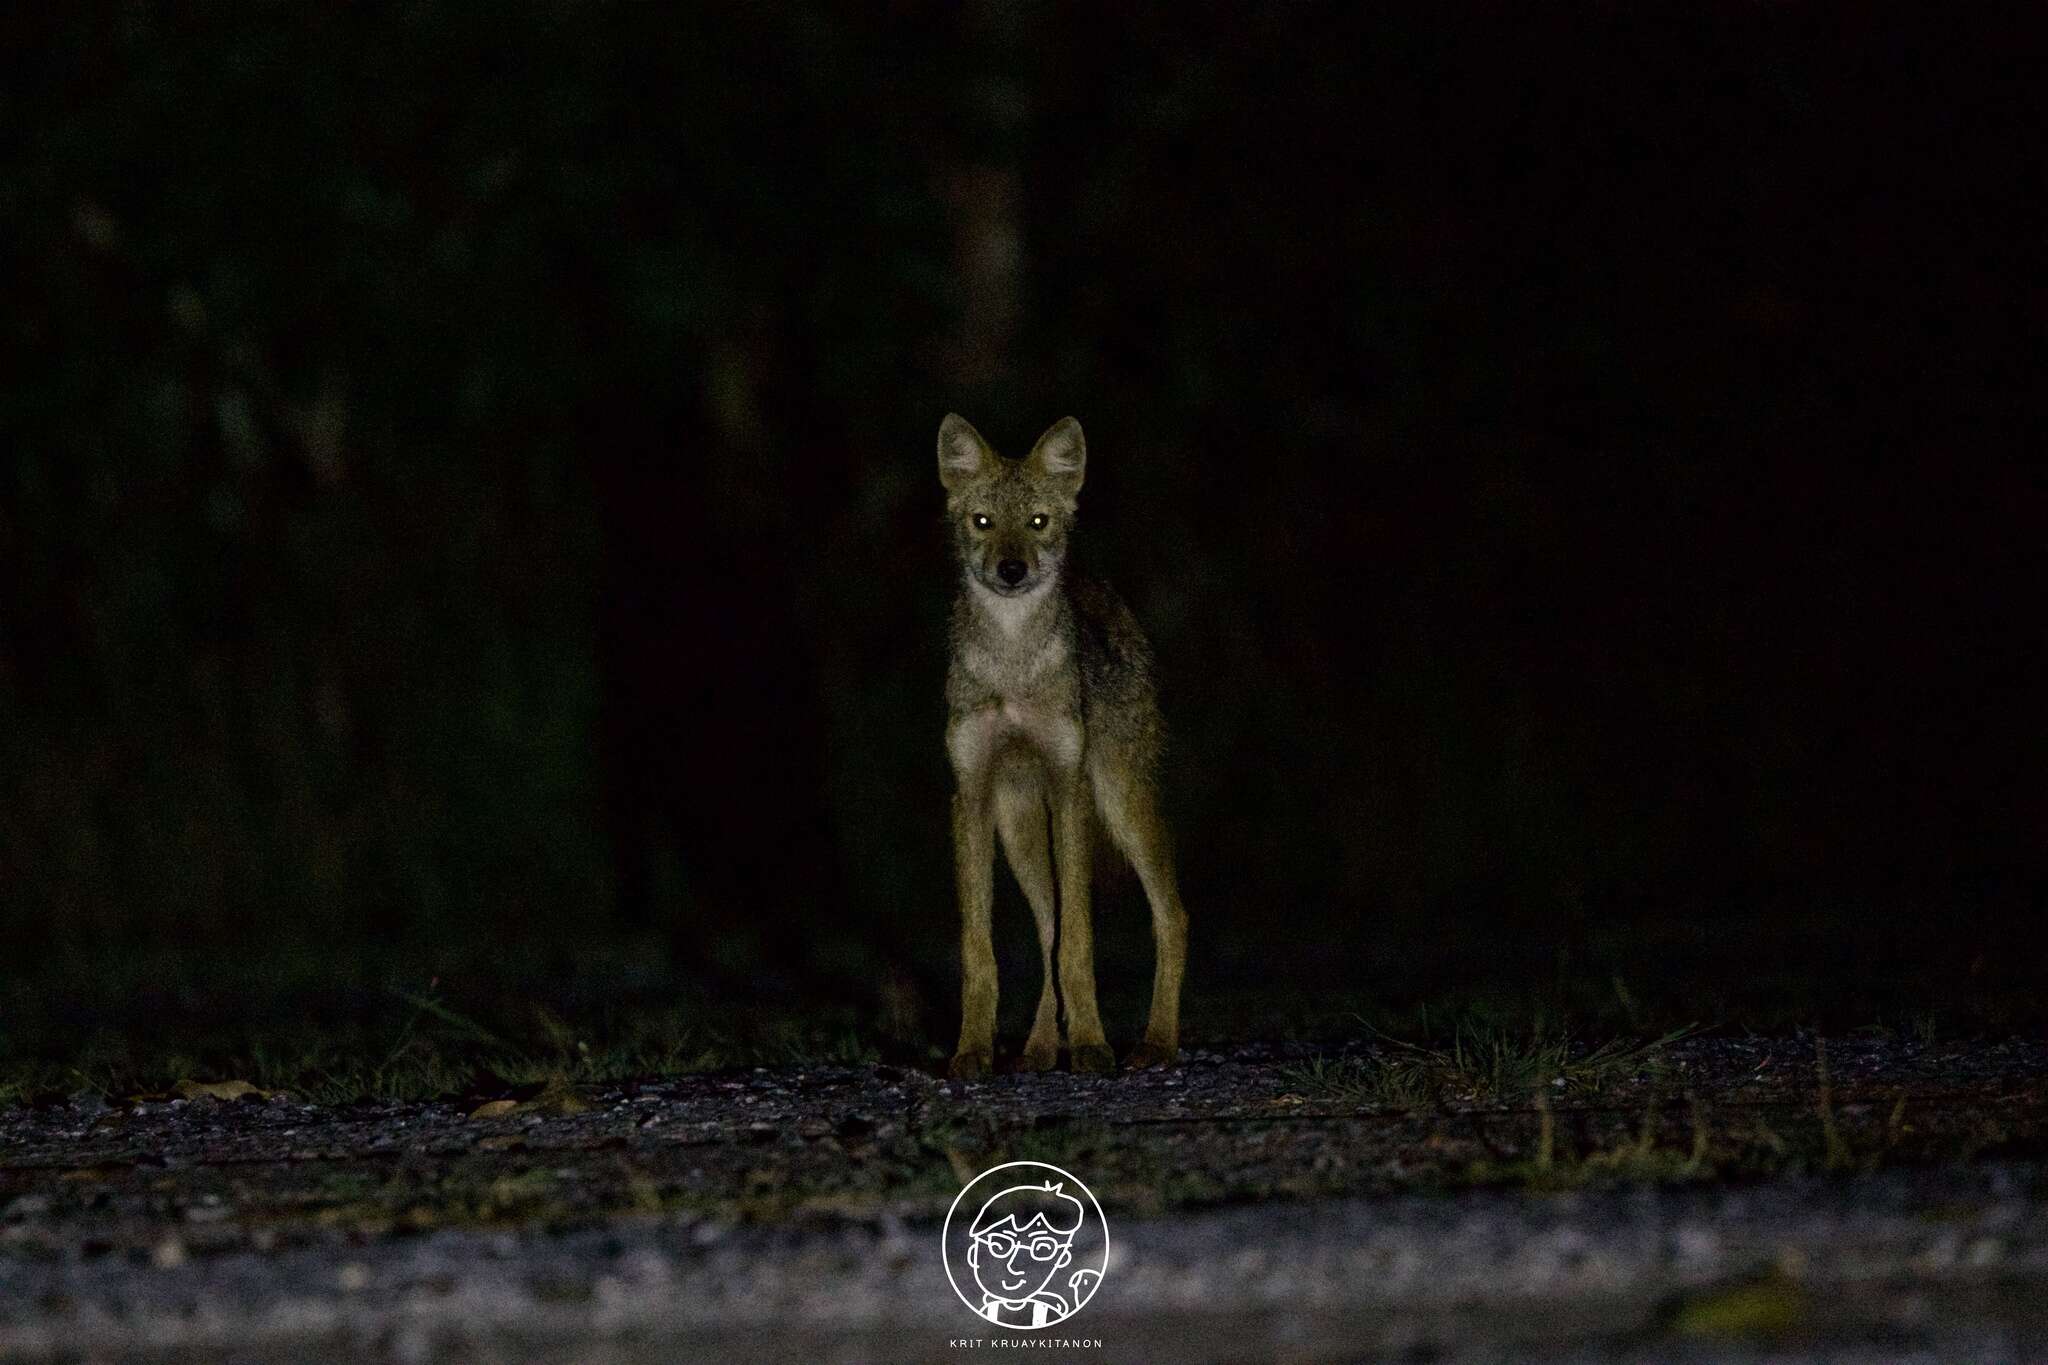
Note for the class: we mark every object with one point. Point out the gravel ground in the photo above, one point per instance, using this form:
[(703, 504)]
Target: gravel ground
[(1705, 1205)]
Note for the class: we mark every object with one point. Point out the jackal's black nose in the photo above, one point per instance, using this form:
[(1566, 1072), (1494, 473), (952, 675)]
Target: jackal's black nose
[(1012, 571)]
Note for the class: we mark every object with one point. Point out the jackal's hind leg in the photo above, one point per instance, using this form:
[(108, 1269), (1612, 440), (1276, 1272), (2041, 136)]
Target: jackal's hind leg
[(1129, 803), (1021, 820)]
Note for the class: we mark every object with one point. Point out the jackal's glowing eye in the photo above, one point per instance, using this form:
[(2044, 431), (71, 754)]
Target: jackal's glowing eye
[(981, 523), (1038, 522)]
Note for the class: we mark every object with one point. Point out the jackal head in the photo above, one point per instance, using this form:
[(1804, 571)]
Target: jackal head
[(1011, 518)]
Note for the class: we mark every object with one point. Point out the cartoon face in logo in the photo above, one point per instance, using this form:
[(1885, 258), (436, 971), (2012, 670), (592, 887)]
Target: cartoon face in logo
[(1022, 1237), (1022, 1243)]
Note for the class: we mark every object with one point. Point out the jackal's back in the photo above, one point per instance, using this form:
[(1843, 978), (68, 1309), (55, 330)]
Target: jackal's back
[(1119, 698)]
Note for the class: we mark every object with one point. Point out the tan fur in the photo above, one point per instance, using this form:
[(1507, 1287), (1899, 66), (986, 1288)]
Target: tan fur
[(1053, 722)]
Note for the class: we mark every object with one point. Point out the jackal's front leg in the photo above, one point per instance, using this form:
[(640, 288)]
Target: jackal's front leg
[(1072, 850), (1021, 823), (974, 868)]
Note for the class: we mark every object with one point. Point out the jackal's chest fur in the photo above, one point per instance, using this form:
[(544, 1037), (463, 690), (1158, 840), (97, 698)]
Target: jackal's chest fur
[(1013, 690)]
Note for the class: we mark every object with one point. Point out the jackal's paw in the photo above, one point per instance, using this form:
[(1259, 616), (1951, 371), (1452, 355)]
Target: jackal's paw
[(1146, 1055), (1034, 1058), (968, 1066), (1094, 1057)]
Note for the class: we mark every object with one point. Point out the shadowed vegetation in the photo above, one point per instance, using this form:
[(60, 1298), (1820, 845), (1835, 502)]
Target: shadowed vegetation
[(468, 514), (1481, 1062)]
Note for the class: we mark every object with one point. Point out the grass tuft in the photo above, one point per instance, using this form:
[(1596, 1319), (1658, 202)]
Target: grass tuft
[(1481, 1062), (415, 1044)]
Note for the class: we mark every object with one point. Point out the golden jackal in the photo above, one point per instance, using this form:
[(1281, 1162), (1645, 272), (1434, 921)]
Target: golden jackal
[(1051, 709)]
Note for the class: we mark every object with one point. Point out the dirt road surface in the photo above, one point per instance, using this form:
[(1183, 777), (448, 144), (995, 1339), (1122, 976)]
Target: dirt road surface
[(1714, 1202)]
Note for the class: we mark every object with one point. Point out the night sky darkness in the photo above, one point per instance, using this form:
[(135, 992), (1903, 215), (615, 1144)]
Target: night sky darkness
[(469, 489)]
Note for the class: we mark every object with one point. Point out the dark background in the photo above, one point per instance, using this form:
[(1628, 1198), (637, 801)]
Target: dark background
[(469, 511)]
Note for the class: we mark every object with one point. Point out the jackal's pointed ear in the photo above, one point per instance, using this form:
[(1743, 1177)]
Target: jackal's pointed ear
[(962, 452), (1062, 453)]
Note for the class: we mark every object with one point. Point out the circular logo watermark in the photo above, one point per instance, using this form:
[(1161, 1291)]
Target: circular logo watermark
[(1025, 1245)]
